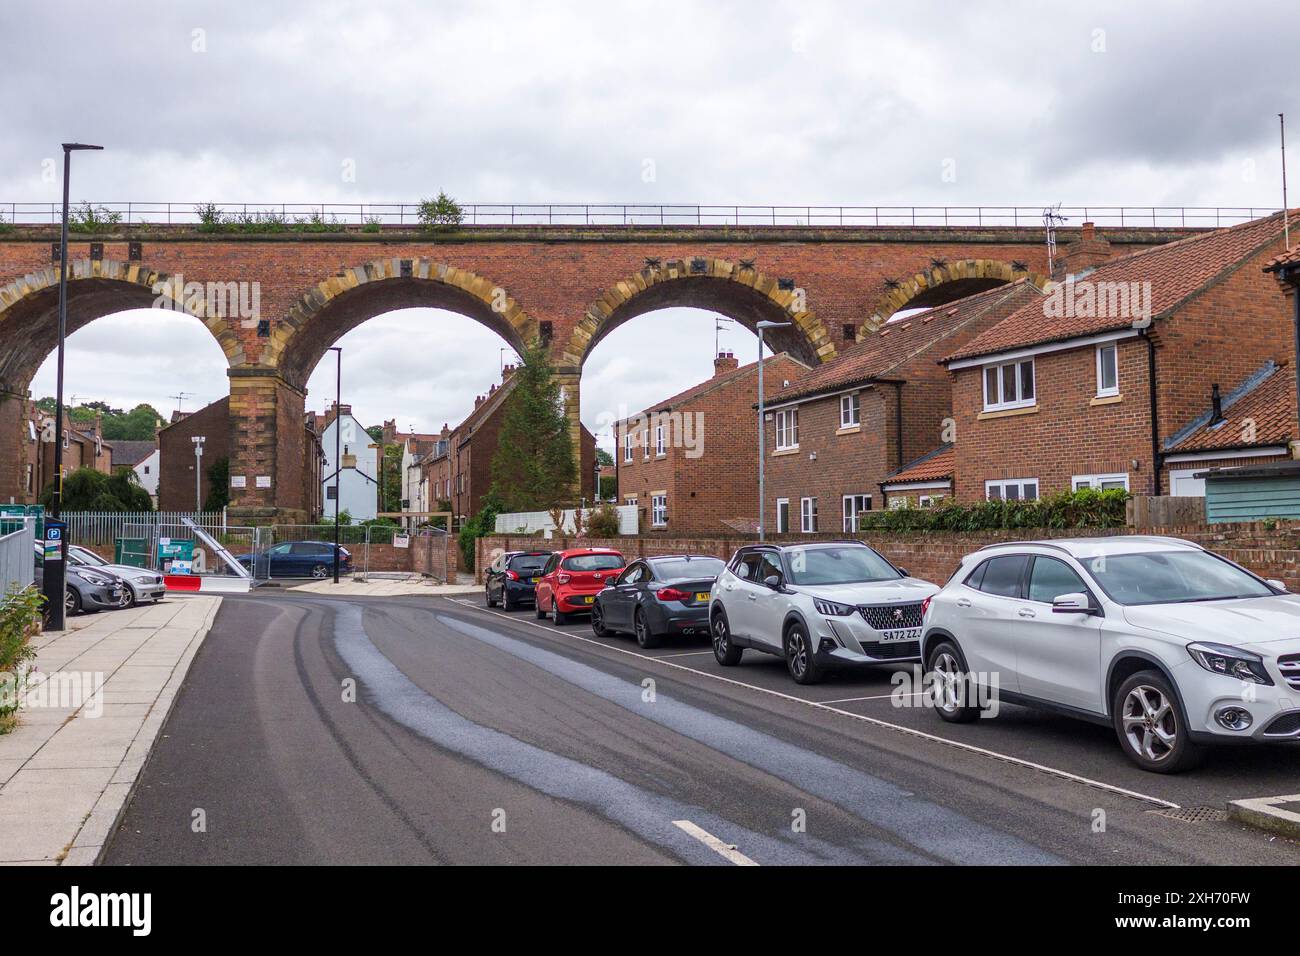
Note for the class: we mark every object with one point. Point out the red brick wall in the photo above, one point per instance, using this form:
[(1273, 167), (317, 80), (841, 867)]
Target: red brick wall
[(176, 455)]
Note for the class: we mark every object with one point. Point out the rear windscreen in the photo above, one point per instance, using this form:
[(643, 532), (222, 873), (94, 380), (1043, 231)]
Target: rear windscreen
[(682, 568), (593, 562), (528, 562)]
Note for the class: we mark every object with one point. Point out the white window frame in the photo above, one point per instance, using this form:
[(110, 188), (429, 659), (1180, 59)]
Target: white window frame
[(782, 515), (627, 445), (851, 510), (645, 443), (930, 500), (850, 410), (1096, 481), (1002, 483), (808, 515), (787, 427), (659, 511), (1102, 390), (998, 404), (659, 441)]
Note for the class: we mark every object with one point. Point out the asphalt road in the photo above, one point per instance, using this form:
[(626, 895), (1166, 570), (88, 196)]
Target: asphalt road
[(476, 736)]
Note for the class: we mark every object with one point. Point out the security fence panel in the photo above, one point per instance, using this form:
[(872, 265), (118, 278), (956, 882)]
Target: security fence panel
[(17, 558)]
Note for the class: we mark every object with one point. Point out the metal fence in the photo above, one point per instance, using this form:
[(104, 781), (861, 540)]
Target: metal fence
[(105, 527), (17, 558), (322, 217)]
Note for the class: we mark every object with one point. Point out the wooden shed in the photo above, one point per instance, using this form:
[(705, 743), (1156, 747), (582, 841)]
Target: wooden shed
[(1252, 492)]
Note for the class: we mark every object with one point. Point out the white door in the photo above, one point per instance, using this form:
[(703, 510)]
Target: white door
[(1058, 656), (992, 620), (1182, 483)]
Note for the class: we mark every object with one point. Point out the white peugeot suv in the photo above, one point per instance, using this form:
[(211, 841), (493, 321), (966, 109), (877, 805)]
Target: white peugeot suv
[(818, 606), (1171, 645)]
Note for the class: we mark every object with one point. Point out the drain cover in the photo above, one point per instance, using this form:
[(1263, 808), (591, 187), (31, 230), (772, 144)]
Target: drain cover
[(1194, 814)]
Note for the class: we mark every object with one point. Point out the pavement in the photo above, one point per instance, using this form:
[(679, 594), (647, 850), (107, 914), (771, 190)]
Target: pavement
[(95, 705), (421, 729)]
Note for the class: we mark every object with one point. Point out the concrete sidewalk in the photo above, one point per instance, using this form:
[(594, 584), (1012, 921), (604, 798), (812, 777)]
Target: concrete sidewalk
[(67, 769), (380, 587)]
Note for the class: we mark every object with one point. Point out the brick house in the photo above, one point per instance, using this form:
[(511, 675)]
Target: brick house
[(461, 471), (176, 489), (83, 446), (846, 426), (688, 462), (921, 483), (1089, 384)]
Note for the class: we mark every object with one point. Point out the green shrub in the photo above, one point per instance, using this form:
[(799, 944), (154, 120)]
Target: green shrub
[(210, 217), (1087, 508), (483, 523), (603, 522), (88, 218), (372, 224), (440, 213), (20, 612)]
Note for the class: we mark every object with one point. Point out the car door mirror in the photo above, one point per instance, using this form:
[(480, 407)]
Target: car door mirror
[(1274, 582), (773, 581), (1073, 604)]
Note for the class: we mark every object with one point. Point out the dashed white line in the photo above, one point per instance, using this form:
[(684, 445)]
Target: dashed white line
[(727, 851), (875, 721)]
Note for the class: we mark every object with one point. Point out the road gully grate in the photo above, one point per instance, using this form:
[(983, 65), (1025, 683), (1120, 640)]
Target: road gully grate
[(1193, 814)]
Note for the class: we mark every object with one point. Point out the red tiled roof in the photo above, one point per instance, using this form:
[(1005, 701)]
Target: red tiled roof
[(937, 465), (1270, 405), (1175, 270), (895, 342), (1289, 258)]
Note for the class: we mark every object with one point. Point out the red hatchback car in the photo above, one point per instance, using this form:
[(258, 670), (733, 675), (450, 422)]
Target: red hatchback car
[(571, 578)]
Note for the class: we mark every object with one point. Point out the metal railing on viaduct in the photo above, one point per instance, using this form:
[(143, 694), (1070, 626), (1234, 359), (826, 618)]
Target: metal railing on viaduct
[(399, 215)]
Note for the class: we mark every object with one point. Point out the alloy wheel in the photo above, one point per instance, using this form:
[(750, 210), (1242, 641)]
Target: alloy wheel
[(798, 651), (69, 601), (948, 675), (720, 641), (1150, 726), (320, 572)]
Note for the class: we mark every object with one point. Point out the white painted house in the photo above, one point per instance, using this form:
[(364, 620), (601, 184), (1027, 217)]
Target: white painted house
[(142, 458), (358, 479)]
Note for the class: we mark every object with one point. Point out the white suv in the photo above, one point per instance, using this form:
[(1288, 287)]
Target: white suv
[(1168, 643), (818, 606)]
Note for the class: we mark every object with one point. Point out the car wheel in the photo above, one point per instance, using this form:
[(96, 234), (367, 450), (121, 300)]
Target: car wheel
[(558, 617), (71, 601), (644, 636), (1151, 726), (537, 606), (506, 603), (800, 657), (128, 597), (598, 621), (487, 596), (947, 676), (725, 652), (320, 572)]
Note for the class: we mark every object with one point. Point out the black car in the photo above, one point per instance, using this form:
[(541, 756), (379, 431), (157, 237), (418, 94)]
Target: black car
[(511, 580), (656, 597)]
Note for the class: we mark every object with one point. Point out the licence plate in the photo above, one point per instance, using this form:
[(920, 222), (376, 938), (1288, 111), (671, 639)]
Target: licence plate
[(589, 599), (533, 580), (701, 595), (907, 634)]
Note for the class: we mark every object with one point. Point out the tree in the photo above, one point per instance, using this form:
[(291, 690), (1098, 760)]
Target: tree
[(89, 490), (219, 479), (439, 214), (604, 458), (533, 468)]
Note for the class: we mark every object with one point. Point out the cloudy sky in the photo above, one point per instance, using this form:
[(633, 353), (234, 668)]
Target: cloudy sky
[(734, 102)]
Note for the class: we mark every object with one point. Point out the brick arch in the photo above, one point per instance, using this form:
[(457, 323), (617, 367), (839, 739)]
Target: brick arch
[(740, 292), (944, 282), (96, 288), (340, 303)]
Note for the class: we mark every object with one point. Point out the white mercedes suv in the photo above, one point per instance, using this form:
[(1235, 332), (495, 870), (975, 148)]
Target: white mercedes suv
[(1168, 643), (818, 606)]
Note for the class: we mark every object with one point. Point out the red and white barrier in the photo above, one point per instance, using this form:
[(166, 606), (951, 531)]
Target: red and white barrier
[(207, 584)]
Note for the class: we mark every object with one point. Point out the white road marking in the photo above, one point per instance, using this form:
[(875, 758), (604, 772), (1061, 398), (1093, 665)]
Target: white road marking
[(727, 851), (682, 654), (875, 721), (850, 700)]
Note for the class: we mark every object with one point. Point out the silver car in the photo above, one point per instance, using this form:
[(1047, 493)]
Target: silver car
[(142, 584)]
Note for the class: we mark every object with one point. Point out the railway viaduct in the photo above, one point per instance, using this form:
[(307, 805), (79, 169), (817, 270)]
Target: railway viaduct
[(568, 285)]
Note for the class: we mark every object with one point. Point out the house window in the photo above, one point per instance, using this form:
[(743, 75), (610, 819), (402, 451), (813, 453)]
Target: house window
[(854, 505), (29, 480), (627, 446), (1100, 482), (645, 443), (929, 501), (901, 501), (782, 515), (1011, 489), (1107, 370), (1010, 385), (331, 492), (787, 429), (850, 413), (659, 510), (659, 439), (808, 515), (146, 469)]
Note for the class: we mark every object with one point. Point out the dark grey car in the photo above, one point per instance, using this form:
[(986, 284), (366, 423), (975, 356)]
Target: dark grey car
[(86, 589), (657, 597)]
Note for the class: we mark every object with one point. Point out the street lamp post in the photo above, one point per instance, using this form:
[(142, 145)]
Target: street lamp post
[(338, 455), (762, 437), (55, 578), (198, 471)]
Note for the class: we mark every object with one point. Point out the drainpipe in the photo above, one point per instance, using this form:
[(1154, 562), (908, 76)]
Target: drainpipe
[(898, 422), (1156, 461), (1290, 275)]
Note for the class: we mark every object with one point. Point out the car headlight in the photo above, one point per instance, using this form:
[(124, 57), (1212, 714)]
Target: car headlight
[(102, 580), (1230, 661), (144, 579), (833, 608)]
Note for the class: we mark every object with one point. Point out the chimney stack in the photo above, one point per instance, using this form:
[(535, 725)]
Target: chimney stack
[(725, 362), (1086, 252)]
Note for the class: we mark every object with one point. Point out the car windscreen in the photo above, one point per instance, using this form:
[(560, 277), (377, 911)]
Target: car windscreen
[(593, 562), (86, 556), (850, 564), (671, 569), (1172, 577), (528, 562)]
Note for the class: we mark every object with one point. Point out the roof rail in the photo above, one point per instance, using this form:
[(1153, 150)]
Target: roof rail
[(1023, 544)]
